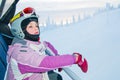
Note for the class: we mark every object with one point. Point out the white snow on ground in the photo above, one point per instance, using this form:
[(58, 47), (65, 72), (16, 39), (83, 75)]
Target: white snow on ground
[(97, 38)]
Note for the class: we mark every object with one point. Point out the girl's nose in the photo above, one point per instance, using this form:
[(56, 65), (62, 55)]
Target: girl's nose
[(36, 28)]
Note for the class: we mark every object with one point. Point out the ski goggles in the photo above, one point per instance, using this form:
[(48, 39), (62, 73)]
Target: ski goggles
[(25, 12)]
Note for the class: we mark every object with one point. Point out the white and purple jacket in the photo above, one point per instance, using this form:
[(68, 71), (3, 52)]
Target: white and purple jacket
[(28, 61)]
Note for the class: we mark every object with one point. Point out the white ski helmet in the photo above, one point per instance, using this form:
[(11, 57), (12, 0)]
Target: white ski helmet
[(25, 16)]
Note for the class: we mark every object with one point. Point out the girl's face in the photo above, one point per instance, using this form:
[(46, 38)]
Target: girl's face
[(32, 28)]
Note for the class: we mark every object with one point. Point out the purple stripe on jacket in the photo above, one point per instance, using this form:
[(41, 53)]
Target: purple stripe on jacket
[(51, 47)]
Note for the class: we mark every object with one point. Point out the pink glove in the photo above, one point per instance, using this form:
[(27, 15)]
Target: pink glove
[(81, 63)]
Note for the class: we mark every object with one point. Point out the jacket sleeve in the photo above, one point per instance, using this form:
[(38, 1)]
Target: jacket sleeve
[(48, 63)]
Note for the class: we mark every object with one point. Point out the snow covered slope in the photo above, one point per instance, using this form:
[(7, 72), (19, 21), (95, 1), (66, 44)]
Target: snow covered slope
[(97, 38)]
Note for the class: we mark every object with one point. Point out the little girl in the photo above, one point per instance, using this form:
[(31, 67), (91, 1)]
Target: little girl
[(27, 56)]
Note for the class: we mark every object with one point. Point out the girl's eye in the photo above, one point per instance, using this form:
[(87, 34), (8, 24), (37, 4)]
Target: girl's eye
[(30, 26), (37, 26)]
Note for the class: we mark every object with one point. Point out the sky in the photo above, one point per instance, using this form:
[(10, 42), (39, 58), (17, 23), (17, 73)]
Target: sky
[(97, 39), (46, 8), (65, 4), (70, 0)]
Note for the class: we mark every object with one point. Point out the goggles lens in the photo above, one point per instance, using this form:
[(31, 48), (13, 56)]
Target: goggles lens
[(28, 10)]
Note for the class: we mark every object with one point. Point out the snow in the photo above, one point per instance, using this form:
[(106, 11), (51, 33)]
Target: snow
[(97, 39)]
